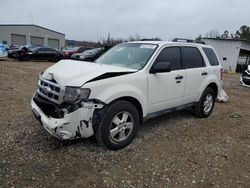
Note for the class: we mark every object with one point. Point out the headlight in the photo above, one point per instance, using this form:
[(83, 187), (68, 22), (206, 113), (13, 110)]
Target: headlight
[(75, 94), (82, 57)]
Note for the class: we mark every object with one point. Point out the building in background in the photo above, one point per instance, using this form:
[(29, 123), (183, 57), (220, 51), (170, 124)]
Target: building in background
[(74, 43), (22, 34), (233, 53)]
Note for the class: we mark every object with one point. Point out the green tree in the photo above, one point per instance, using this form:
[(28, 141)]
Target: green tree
[(225, 35), (244, 32)]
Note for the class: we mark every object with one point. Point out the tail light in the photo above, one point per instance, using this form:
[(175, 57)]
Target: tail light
[(221, 74)]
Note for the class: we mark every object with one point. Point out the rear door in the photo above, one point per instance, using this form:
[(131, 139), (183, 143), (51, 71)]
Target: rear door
[(196, 73), (165, 90), (49, 53), (38, 54)]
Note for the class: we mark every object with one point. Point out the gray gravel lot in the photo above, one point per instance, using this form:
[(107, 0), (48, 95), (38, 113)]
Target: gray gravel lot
[(175, 150)]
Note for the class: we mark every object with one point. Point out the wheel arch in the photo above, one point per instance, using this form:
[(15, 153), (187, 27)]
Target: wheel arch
[(133, 101), (98, 112), (215, 87)]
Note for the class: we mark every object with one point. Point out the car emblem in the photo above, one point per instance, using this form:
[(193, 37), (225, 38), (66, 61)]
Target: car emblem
[(46, 90)]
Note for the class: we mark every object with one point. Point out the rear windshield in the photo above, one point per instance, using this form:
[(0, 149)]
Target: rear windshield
[(211, 56)]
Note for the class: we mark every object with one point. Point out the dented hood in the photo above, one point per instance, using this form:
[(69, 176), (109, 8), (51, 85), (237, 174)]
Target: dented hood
[(77, 73)]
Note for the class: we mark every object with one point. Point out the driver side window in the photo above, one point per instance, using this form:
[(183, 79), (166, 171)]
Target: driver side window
[(171, 55)]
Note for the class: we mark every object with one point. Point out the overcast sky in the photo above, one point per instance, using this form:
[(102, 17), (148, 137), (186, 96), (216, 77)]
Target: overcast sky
[(94, 19)]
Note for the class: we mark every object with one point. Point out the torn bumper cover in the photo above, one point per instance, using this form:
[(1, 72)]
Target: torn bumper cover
[(77, 124)]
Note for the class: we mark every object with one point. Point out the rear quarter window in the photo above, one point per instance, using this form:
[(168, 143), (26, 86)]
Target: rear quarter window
[(212, 58)]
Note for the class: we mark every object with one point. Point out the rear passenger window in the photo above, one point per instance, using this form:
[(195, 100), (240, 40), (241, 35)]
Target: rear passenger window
[(192, 58), (171, 55), (211, 56)]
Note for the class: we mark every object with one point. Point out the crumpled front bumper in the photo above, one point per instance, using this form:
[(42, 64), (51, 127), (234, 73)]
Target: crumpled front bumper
[(77, 124)]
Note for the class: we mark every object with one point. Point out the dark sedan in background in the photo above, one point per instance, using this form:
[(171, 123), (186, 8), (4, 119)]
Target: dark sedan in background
[(39, 53), (89, 55)]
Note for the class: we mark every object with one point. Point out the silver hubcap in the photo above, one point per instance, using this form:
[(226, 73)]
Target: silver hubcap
[(121, 126), (208, 103)]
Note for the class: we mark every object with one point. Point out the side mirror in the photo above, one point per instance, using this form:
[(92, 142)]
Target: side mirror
[(160, 67)]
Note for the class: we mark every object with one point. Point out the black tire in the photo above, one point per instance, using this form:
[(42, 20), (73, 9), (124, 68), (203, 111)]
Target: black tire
[(55, 59), (24, 58), (104, 125), (89, 60), (199, 108)]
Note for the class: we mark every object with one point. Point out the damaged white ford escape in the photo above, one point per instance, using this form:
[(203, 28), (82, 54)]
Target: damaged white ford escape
[(130, 83)]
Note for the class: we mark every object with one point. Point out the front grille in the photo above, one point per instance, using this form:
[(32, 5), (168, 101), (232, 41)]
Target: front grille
[(49, 108), (50, 90)]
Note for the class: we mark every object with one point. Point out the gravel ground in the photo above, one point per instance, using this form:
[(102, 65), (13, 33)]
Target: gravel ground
[(175, 150)]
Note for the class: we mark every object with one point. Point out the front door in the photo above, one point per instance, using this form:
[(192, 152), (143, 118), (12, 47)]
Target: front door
[(166, 90)]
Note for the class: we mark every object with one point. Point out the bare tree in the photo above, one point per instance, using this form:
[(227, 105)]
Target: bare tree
[(135, 37)]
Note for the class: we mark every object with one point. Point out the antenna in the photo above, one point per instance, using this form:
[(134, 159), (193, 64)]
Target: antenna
[(32, 18), (108, 37)]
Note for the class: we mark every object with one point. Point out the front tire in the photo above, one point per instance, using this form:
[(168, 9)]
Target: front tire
[(118, 125), (205, 106)]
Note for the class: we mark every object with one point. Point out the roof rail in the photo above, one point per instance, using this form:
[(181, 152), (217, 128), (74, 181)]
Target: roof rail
[(188, 41), (152, 39), (183, 40)]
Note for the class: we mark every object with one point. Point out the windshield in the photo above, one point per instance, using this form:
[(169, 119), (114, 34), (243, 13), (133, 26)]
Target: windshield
[(130, 55)]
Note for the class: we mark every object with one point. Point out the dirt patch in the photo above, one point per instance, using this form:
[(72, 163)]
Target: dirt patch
[(175, 150)]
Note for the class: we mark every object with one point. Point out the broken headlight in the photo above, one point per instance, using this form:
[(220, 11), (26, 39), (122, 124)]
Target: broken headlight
[(75, 94)]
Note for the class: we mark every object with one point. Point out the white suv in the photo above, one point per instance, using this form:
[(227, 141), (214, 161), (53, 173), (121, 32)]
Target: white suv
[(130, 83)]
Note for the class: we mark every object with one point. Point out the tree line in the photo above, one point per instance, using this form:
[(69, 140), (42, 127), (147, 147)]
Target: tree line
[(242, 33)]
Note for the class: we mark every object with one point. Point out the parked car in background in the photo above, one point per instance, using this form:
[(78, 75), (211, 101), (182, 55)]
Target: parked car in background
[(67, 52), (15, 49), (12, 51), (242, 64), (39, 53), (3, 52), (89, 55), (245, 77)]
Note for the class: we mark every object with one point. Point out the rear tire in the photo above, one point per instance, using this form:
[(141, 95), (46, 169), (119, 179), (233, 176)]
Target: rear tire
[(118, 125), (205, 106)]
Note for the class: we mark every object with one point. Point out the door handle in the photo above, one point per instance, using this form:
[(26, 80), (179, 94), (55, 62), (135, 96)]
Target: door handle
[(179, 77), (204, 73)]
